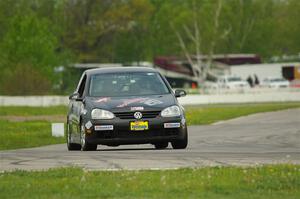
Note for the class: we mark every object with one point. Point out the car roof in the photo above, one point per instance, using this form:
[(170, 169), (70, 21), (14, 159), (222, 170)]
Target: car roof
[(119, 69)]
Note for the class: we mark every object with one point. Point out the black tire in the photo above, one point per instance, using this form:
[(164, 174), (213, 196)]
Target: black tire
[(180, 144), (161, 145), (85, 146), (71, 146)]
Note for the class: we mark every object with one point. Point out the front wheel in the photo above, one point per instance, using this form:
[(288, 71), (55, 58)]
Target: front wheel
[(85, 146), (71, 146), (182, 143)]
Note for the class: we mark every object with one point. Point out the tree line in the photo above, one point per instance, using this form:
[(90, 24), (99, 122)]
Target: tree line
[(38, 35)]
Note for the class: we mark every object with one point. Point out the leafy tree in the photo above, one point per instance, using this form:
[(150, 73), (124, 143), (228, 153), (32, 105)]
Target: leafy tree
[(37, 35), (132, 43), (29, 42), (97, 30)]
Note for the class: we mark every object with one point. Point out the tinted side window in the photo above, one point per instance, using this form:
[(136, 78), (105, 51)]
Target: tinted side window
[(81, 86)]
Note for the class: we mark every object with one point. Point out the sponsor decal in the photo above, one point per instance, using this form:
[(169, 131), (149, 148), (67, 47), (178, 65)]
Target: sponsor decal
[(146, 101), (104, 127), (104, 99), (152, 102), (137, 108), (130, 101), (171, 125), (88, 125)]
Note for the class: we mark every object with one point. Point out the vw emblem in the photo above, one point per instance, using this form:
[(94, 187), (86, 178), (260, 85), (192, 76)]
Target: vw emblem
[(138, 115)]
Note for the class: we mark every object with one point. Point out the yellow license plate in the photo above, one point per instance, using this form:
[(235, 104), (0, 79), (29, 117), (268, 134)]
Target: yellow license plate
[(139, 125)]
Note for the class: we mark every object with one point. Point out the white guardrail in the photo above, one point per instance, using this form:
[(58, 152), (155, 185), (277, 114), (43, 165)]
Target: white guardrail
[(276, 96), (33, 100)]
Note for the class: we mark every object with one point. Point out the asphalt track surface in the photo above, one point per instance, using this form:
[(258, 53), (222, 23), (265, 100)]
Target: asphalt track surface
[(265, 138)]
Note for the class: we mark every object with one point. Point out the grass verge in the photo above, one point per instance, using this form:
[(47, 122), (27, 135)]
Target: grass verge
[(274, 181), (32, 111), (197, 115), (15, 135)]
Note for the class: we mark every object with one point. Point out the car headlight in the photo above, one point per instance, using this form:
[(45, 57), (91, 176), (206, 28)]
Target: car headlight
[(172, 111), (101, 114)]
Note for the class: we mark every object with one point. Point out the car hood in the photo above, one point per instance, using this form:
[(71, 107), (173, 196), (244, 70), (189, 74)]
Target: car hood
[(132, 103)]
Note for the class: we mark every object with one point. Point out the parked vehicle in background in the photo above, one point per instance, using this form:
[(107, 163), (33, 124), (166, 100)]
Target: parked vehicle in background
[(295, 83), (275, 82), (179, 72), (232, 82)]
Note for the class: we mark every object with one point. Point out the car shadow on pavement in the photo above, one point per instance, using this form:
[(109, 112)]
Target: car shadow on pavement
[(134, 149)]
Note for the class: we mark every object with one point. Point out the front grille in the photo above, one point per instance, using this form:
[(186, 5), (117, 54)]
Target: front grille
[(129, 115)]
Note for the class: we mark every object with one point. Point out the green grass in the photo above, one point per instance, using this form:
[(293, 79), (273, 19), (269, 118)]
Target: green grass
[(213, 113), (26, 134), (276, 181), (31, 111)]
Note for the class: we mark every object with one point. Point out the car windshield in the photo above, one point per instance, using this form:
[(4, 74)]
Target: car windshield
[(127, 84), (234, 79)]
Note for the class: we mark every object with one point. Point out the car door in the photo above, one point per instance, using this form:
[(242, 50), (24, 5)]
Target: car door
[(76, 104)]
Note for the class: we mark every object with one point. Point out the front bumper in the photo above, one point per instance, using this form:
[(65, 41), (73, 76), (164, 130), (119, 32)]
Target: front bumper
[(121, 133)]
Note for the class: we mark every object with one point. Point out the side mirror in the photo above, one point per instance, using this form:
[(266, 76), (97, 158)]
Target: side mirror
[(75, 96), (180, 93)]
